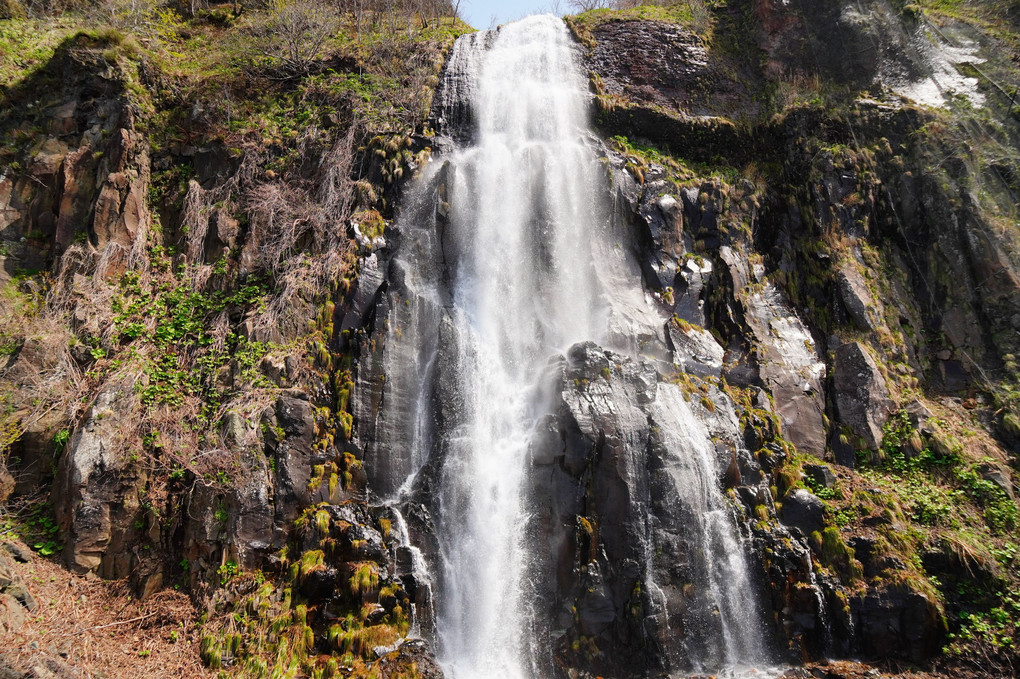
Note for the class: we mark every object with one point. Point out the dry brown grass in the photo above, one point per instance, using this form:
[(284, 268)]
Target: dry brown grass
[(41, 376), (104, 630)]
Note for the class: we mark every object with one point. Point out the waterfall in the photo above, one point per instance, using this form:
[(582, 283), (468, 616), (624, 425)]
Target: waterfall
[(521, 201), (505, 260)]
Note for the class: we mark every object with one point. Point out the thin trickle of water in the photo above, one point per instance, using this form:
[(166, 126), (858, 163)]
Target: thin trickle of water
[(823, 609), (420, 572)]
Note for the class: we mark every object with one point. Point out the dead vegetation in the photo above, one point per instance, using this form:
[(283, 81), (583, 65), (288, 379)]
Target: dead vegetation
[(100, 628)]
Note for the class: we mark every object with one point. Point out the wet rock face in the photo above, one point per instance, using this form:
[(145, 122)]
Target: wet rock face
[(804, 511), (788, 362), (606, 499), (414, 654)]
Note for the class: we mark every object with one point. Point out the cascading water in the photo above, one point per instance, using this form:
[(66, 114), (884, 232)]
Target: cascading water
[(521, 199), (505, 260), (691, 464)]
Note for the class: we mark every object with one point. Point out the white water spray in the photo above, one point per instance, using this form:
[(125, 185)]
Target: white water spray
[(691, 463), (518, 266), (521, 201)]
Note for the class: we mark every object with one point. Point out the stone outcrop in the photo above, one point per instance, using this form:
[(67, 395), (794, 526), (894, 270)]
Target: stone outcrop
[(606, 496), (804, 511), (862, 398), (87, 180), (669, 67), (856, 298), (896, 620), (98, 489)]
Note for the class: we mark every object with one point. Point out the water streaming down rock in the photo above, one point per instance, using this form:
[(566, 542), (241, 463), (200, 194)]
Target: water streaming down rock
[(523, 287), (690, 460), (508, 259)]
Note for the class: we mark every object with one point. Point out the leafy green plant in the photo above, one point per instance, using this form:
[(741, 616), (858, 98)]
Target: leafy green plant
[(228, 572), (40, 530), (60, 439)]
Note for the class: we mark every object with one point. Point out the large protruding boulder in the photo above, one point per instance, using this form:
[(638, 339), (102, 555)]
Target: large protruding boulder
[(624, 461), (860, 305), (803, 510), (862, 398)]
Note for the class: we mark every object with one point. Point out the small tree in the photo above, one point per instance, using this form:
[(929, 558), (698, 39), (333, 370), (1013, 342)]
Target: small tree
[(293, 33), (589, 5)]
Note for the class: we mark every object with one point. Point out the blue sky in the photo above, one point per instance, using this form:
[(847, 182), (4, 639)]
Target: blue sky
[(482, 13)]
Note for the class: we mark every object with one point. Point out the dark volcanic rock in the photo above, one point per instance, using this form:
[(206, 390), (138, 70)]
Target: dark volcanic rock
[(608, 490), (856, 298), (293, 454), (413, 654), (803, 510), (897, 621), (657, 64), (821, 475), (862, 398), (98, 486)]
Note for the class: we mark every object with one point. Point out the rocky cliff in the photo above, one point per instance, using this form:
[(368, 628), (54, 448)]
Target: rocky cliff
[(199, 275)]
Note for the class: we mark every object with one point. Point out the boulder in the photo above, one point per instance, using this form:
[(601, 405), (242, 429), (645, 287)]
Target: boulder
[(7, 575), (12, 614), (20, 552), (862, 398), (802, 509), (788, 362), (999, 476), (413, 654), (695, 350), (20, 592), (857, 300), (896, 621), (821, 474)]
